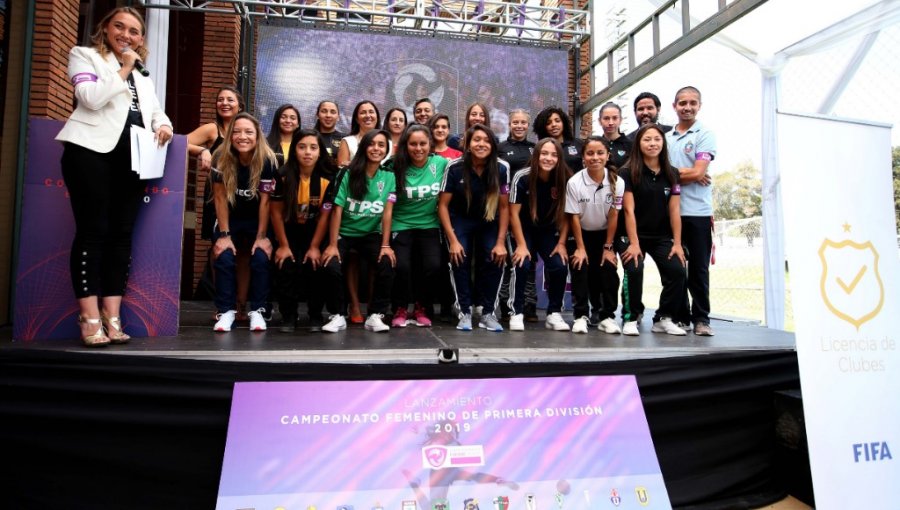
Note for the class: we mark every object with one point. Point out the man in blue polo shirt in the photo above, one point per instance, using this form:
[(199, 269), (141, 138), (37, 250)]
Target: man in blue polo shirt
[(691, 149)]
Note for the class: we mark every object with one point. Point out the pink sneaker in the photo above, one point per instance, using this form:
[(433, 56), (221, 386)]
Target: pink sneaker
[(399, 318), (422, 319)]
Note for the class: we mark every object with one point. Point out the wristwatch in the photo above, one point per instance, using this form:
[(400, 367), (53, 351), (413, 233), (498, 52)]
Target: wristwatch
[(225, 233), (608, 246)]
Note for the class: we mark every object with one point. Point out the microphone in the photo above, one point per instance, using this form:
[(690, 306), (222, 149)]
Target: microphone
[(138, 64)]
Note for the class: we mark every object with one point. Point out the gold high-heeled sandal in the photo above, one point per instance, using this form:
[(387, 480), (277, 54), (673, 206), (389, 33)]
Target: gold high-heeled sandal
[(114, 330), (98, 339)]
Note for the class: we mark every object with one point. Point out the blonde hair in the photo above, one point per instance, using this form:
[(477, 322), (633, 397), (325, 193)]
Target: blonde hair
[(228, 162), (98, 38)]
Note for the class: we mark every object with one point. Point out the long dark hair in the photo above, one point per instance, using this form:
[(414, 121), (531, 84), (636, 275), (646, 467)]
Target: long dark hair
[(402, 160), (612, 171), (559, 176), (240, 99), (635, 163), (290, 171), (356, 170), (387, 118), (354, 122), (274, 137), (540, 123), (491, 172)]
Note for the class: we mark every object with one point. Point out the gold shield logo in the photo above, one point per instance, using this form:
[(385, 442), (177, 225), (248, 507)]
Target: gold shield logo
[(851, 286)]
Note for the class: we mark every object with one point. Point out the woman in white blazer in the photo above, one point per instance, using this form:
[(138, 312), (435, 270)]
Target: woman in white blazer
[(96, 165)]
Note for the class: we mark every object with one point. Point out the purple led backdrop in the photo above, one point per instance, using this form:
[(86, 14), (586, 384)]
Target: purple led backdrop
[(581, 437), (305, 66), (45, 306)]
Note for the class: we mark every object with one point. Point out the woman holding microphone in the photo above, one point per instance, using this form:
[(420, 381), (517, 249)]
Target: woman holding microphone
[(96, 165)]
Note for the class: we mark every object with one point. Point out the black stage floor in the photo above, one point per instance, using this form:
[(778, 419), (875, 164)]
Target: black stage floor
[(143, 425), (196, 340)]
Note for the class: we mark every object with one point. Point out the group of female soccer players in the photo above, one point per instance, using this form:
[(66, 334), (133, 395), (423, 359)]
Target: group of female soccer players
[(406, 200)]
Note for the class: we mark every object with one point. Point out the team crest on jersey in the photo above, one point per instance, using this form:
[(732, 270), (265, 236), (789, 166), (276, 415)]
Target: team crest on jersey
[(380, 186), (573, 150), (621, 152), (433, 169), (689, 148), (553, 194), (530, 150)]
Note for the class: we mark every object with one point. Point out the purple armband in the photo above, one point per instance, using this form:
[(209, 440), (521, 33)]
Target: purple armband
[(83, 77), (392, 198), (704, 156)]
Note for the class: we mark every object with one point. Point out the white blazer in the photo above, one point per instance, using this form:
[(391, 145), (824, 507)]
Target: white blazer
[(103, 100)]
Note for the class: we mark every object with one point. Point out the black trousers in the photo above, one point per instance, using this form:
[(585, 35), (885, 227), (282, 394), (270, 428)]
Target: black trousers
[(418, 252), (696, 237), (594, 285), (105, 196), (671, 273), (296, 281), (368, 247)]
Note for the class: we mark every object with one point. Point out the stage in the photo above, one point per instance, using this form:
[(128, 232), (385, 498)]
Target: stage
[(143, 425)]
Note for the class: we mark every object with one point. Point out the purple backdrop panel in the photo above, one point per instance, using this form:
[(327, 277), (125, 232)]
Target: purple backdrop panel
[(562, 442), (304, 66), (45, 306)]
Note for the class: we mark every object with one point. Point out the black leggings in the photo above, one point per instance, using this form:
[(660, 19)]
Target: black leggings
[(418, 253), (105, 196)]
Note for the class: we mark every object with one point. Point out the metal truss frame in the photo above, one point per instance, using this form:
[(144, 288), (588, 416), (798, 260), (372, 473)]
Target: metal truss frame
[(507, 21), (727, 13)]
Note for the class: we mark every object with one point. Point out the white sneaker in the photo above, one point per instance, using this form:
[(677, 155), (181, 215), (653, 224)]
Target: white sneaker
[(465, 322), (608, 325), (517, 322), (335, 323), (257, 320), (580, 325), (376, 323), (630, 328), (665, 325), (224, 321), (556, 322)]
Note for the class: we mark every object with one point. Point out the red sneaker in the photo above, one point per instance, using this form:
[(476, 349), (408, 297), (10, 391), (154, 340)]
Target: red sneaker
[(399, 318), (422, 319)]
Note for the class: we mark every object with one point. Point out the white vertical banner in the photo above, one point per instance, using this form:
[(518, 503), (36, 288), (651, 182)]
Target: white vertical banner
[(845, 282), (158, 43)]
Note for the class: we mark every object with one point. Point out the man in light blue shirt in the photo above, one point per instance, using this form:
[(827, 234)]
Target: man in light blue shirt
[(692, 147)]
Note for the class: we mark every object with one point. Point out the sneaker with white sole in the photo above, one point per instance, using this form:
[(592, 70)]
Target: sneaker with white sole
[(608, 325), (224, 321), (400, 318), (335, 323), (375, 323), (630, 328), (517, 322), (556, 322), (490, 323), (665, 325), (580, 325), (465, 322), (257, 320)]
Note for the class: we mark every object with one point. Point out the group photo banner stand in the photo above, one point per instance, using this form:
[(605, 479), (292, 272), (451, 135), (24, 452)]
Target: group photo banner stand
[(845, 283), (45, 305), (465, 444)]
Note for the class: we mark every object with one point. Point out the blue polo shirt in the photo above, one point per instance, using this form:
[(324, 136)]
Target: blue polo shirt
[(684, 149)]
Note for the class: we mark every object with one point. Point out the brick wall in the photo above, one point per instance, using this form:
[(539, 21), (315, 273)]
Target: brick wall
[(55, 32), (221, 44)]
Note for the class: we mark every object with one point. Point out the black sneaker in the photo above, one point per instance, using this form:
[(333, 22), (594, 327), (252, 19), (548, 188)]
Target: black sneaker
[(594, 319), (288, 324), (316, 322), (268, 310), (530, 313)]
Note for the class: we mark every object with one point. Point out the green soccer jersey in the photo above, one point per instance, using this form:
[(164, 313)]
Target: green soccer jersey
[(362, 217), (416, 205)]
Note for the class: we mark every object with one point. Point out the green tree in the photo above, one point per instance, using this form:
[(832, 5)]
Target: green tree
[(737, 193), (895, 153)]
